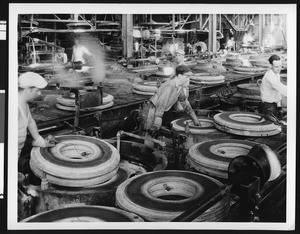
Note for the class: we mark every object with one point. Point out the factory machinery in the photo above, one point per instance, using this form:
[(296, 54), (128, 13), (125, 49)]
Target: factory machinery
[(230, 169), (219, 172)]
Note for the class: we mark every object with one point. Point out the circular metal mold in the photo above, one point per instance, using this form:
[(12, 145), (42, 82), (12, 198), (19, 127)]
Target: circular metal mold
[(207, 125), (85, 214), (207, 78), (208, 82), (76, 159), (245, 123), (249, 69), (213, 157), (142, 93), (248, 89), (146, 86), (163, 195), (70, 100), (94, 108)]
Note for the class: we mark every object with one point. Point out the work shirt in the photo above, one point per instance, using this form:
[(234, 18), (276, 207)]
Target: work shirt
[(167, 95), (78, 52), (23, 122), (271, 88), (61, 58)]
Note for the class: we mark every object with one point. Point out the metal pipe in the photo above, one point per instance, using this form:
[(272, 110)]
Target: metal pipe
[(121, 132)]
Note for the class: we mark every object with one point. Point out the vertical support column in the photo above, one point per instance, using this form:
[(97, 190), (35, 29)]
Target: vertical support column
[(127, 34), (200, 22), (124, 35), (173, 28), (212, 35), (261, 25)]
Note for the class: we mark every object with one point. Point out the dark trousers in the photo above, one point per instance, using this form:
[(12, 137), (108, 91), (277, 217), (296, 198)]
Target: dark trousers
[(267, 108)]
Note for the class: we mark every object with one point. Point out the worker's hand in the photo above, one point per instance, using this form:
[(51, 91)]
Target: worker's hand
[(197, 122), (157, 123), (50, 141)]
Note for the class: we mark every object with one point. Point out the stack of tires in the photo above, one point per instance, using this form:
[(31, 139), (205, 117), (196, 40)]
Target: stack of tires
[(68, 103), (76, 161), (87, 170)]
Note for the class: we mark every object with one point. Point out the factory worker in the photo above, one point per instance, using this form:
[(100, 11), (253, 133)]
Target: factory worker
[(30, 84), (231, 44), (78, 52), (271, 89), (180, 57), (167, 95), (61, 57)]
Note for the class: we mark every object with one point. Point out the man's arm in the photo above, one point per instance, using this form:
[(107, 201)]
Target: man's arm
[(276, 84)]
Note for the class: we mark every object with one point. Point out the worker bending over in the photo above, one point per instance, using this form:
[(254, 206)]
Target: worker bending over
[(166, 96)]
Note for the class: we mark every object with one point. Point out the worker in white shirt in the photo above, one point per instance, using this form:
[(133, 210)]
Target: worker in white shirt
[(78, 53), (61, 57), (30, 84), (271, 89), (231, 44)]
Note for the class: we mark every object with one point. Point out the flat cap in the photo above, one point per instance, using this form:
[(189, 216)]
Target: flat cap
[(31, 79)]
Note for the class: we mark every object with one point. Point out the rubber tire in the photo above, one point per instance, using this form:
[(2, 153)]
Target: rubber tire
[(227, 119), (87, 109), (179, 125), (206, 153), (55, 165), (192, 166), (135, 195), (102, 213)]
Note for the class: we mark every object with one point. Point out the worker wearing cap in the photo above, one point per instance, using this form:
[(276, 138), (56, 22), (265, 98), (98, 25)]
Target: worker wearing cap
[(271, 89), (166, 96), (180, 57), (30, 84)]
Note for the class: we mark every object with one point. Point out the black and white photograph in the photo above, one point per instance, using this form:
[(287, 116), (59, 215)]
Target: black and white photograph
[(171, 116)]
